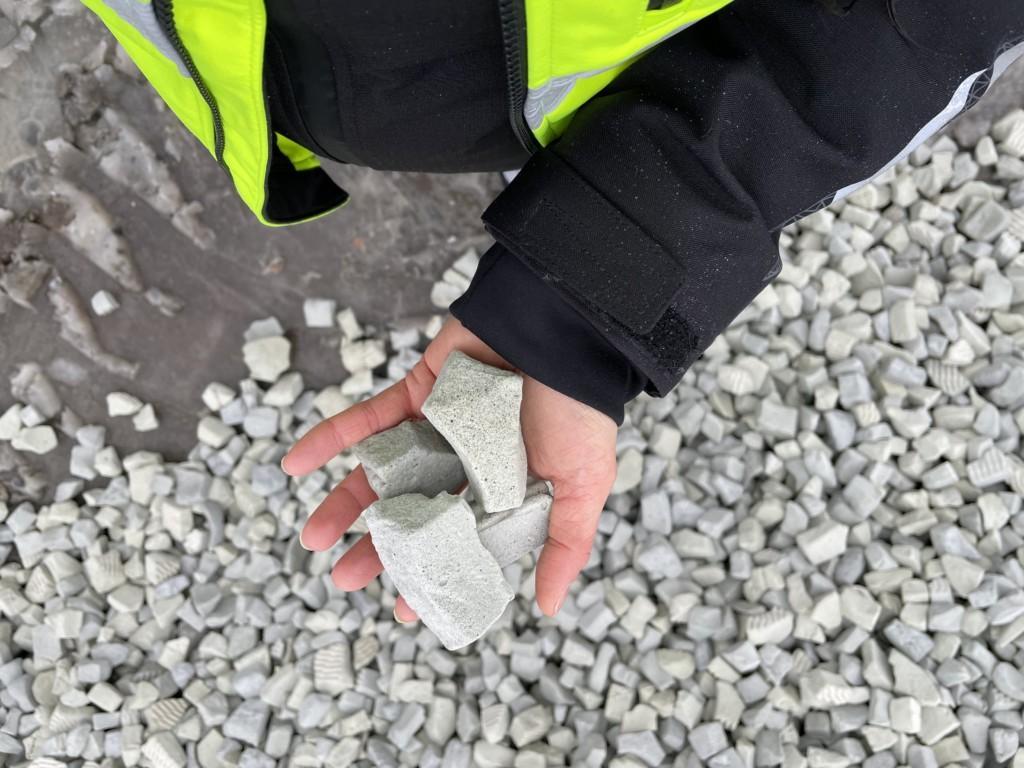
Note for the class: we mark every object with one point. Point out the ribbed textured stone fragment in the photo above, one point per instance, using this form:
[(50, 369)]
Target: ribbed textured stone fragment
[(332, 669), (431, 551), (821, 689), (162, 750), (476, 407)]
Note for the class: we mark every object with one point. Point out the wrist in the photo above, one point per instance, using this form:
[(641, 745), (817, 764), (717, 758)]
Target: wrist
[(528, 323)]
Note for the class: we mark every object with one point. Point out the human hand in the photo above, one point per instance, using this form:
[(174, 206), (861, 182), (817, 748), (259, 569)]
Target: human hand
[(567, 443)]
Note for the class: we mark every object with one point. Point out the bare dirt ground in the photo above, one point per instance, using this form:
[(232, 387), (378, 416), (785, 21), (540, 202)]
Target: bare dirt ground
[(380, 255), (71, 110)]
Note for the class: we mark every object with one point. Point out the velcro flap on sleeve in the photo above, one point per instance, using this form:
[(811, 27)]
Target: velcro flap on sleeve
[(575, 238)]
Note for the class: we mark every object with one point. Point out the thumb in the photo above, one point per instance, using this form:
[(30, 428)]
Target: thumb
[(571, 529)]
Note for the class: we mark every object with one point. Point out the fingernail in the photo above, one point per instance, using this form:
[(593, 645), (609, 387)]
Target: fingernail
[(303, 543), (395, 614), (283, 468), (558, 603)]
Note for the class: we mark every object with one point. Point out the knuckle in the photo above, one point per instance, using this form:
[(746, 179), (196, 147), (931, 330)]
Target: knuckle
[(371, 420), (571, 535), (576, 552), (420, 379), (337, 433)]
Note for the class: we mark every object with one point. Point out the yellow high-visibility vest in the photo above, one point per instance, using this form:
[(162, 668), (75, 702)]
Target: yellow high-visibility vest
[(574, 48), (205, 58)]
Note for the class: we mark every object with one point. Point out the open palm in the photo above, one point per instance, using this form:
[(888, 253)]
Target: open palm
[(568, 443)]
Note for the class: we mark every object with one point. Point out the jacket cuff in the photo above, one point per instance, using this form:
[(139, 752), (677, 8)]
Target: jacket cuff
[(528, 323), (604, 254), (567, 230)]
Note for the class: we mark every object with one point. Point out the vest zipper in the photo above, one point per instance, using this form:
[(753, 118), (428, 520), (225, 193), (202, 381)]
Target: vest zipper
[(513, 30), (164, 11)]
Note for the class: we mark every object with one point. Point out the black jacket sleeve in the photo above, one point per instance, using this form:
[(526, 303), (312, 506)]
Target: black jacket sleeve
[(656, 216)]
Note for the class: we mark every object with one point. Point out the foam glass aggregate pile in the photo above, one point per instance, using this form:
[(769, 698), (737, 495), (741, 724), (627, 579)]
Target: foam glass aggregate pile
[(812, 555)]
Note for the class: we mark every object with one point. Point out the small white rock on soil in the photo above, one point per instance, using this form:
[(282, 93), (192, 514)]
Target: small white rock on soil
[(122, 404), (103, 303), (319, 313)]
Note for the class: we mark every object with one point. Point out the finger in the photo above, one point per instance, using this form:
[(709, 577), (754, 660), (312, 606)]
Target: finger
[(357, 567), (403, 613), (332, 436), (337, 512), (571, 529), (454, 335)]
